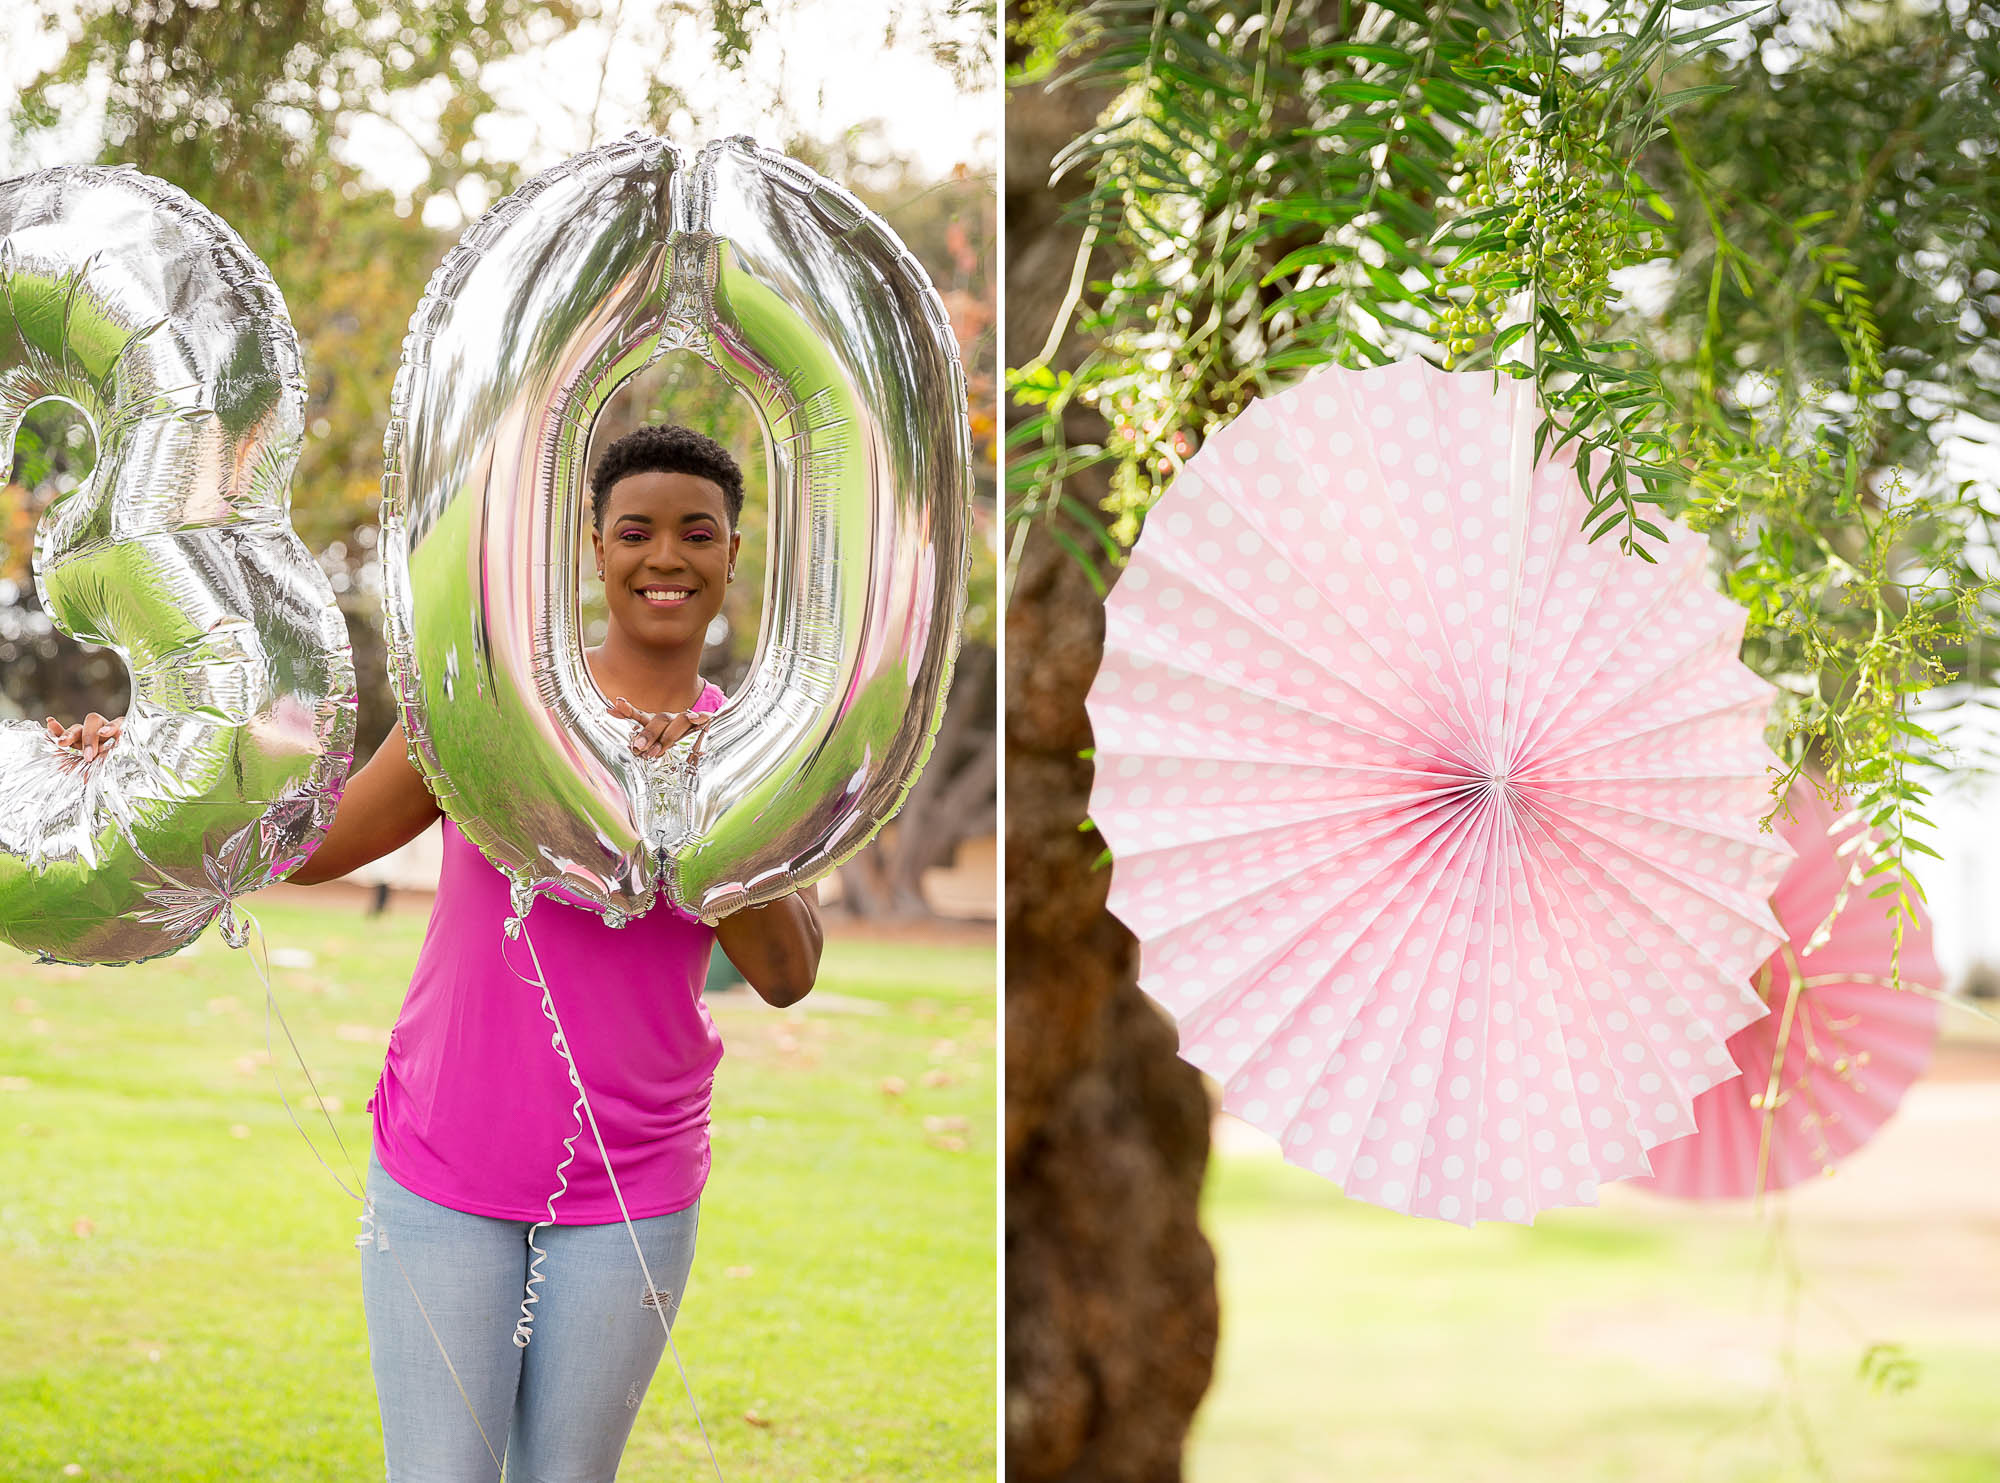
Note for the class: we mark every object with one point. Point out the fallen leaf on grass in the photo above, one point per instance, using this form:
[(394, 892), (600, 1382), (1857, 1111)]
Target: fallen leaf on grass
[(946, 1143), (292, 957), (15, 1084), (72, 1470), (894, 1086), (755, 1420), (937, 1076), (38, 1027), (945, 1125), (361, 1034), (82, 1227), (332, 1105), (737, 1271), (943, 1050), (25, 1005), (222, 1004), (239, 1130)]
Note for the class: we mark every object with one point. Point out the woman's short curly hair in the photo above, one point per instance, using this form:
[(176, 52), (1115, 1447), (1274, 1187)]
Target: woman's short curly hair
[(666, 448)]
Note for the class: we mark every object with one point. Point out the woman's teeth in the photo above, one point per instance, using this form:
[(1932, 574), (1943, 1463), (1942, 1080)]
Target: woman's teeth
[(665, 597)]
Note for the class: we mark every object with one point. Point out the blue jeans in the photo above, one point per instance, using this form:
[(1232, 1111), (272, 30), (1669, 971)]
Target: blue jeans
[(558, 1411)]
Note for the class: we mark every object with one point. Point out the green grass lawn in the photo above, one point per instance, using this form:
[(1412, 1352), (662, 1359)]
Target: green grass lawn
[(178, 1293), (1639, 1343)]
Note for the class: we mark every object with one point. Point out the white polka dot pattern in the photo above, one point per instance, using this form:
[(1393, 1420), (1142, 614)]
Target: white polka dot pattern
[(1819, 1081), (1441, 846)]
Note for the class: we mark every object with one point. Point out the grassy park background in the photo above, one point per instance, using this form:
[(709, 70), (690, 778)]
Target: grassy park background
[(181, 1300), (1649, 1341)]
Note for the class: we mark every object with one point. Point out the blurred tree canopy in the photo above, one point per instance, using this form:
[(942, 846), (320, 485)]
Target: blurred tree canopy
[(253, 108)]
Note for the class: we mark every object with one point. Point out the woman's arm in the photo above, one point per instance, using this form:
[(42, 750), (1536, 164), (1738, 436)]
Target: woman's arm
[(776, 946), (386, 805)]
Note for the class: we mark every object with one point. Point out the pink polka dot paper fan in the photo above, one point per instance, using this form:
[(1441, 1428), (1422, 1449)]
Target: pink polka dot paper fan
[(1830, 1063), (1438, 826)]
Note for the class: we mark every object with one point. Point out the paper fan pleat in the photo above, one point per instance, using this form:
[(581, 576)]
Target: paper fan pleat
[(1379, 906), (1841, 1057), (1325, 637), (1366, 760), (1669, 1048), (1365, 877)]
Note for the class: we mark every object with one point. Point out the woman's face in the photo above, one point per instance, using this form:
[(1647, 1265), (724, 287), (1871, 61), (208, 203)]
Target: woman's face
[(667, 552)]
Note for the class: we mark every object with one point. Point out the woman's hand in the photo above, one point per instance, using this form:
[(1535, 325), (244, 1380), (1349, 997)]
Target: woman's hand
[(655, 731), (776, 946), (87, 740)]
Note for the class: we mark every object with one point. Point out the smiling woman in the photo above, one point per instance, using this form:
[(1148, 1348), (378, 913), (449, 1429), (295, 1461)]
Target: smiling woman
[(463, 1188), (665, 502)]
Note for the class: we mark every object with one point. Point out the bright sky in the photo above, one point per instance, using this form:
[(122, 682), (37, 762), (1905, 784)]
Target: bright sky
[(813, 69)]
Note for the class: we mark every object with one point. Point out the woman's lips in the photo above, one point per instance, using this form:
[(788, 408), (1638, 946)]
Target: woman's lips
[(665, 597)]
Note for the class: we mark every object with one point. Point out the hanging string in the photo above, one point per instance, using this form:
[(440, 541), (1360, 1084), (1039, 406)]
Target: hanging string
[(525, 1329), (239, 924), (560, 1041)]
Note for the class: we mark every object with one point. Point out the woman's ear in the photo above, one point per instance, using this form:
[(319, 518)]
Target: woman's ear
[(597, 548), (735, 545)]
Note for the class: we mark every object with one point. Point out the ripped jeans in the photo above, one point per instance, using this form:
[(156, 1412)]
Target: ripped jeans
[(558, 1411)]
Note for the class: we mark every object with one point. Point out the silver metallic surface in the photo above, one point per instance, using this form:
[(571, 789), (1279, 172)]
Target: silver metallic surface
[(809, 306), (121, 295)]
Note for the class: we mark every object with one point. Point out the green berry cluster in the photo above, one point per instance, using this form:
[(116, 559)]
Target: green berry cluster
[(1552, 197)]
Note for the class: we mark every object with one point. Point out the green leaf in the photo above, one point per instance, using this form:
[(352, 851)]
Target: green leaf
[(1354, 90), (1668, 102), (1360, 51)]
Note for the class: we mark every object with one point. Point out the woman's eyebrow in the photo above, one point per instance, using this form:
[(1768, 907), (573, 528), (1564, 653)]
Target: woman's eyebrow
[(635, 519)]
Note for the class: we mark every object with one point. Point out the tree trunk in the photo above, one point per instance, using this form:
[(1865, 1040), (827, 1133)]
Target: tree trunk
[(1111, 1304)]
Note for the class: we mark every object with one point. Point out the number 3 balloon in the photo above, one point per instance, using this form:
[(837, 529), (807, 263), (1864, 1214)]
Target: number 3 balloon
[(809, 306), (122, 296)]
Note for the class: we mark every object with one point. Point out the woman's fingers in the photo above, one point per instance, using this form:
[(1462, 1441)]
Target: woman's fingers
[(660, 732), (100, 734), (655, 731), (88, 739)]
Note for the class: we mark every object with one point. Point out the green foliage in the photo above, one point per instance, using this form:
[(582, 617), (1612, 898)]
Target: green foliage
[(1750, 258)]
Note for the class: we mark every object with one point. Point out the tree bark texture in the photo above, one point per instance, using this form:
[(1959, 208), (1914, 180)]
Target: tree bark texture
[(1111, 1303)]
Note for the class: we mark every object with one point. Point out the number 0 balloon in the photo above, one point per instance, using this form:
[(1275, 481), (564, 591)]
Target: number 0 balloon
[(808, 306), (121, 295)]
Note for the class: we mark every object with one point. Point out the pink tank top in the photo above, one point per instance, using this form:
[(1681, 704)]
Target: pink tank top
[(474, 1102)]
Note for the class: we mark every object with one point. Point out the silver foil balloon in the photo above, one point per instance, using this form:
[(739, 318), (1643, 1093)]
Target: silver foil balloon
[(121, 295), (808, 305)]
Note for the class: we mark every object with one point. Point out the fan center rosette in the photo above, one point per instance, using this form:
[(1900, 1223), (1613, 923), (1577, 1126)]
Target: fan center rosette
[(1438, 825)]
